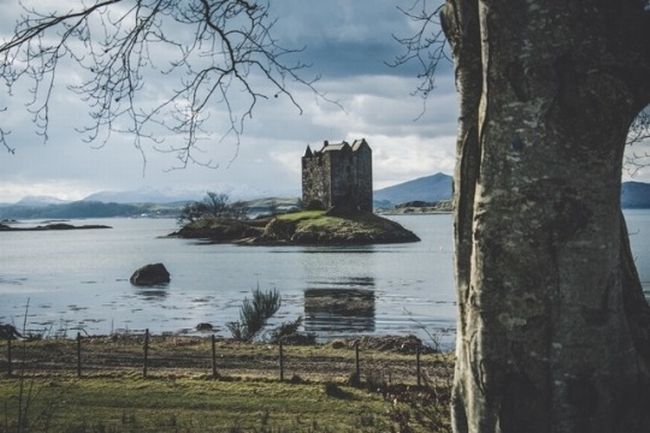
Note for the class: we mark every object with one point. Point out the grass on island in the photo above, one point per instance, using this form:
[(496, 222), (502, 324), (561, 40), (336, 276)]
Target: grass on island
[(319, 218), (303, 215)]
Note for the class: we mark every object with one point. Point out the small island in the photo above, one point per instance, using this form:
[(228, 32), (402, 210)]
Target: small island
[(337, 207), (52, 226), (300, 228), (419, 208)]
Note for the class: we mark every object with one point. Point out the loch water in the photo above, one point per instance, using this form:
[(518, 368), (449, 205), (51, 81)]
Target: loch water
[(64, 282)]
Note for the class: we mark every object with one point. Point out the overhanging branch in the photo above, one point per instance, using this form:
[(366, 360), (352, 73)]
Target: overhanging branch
[(213, 53)]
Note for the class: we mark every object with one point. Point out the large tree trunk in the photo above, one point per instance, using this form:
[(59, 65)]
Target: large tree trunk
[(552, 329)]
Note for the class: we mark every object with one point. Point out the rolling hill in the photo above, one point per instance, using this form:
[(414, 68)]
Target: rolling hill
[(634, 195), (437, 187), (429, 188)]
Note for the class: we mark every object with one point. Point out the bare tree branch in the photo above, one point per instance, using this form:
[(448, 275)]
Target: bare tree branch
[(427, 47), (3, 137), (638, 134), (218, 52), (640, 128)]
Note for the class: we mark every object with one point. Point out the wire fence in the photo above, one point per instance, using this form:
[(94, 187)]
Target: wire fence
[(146, 355)]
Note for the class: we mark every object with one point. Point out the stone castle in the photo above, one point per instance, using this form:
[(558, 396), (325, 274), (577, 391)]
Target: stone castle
[(339, 175)]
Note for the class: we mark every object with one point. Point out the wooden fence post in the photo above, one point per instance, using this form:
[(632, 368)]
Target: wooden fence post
[(356, 359), (417, 364), (9, 372), (78, 354), (281, 362), (214, 358), (146, 352)]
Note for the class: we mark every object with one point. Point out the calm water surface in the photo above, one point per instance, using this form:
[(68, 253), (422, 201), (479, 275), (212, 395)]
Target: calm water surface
[(78, 281)]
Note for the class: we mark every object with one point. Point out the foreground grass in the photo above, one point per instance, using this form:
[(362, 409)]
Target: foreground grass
[(180, 395), (125, 404)]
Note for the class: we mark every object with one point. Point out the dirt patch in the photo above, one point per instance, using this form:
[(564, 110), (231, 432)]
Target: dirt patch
[(409, 344)]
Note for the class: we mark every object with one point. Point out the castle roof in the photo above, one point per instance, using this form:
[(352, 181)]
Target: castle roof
[(357, 144), (343, 146), (334, 147)]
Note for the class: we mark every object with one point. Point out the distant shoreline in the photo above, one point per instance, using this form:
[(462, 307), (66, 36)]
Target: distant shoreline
[(418, 208), (54, 226), (415, 211)]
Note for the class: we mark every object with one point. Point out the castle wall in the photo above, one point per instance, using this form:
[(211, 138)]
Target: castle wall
[(343, 173), (316, 181), (338, 175), (364, 178)]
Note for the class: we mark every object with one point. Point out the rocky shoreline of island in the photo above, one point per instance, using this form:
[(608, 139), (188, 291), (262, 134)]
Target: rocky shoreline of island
[(300, 228)]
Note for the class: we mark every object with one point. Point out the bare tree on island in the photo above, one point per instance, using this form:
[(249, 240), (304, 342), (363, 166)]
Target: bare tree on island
[(218, 50), (214, 205), (553, 327)]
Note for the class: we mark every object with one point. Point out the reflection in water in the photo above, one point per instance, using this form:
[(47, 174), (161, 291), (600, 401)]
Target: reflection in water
[(339, 310), (349, 281), (153, 293)]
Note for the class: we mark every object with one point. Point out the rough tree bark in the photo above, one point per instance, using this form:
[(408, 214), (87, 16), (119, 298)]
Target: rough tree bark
[(553, 325)]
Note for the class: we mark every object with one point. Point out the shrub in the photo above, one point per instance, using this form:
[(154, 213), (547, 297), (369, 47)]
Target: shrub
[(288, 333), (253, 315)]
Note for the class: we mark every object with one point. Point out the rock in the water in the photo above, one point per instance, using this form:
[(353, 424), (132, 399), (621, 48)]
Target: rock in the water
[(150, 275), (204, 327), (8, 332)]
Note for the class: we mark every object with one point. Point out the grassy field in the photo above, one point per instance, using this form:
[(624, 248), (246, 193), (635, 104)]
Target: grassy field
[(179, 394), (188, 404)]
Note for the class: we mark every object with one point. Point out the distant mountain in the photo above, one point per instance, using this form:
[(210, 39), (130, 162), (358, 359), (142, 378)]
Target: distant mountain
[(40, 200), (175, 195), (146, 195), (439, 187), (77, 209), (161, 202), (429, 188), (635, 195)]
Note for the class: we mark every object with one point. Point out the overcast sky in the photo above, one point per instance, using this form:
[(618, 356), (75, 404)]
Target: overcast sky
[(347, 43)]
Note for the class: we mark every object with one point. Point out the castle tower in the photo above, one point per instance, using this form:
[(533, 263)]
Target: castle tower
[(338, 175)]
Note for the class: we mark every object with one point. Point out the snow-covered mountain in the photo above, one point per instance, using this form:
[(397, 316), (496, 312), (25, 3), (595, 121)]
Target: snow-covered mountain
[(178, 194), (146, 195), (39, 200)]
